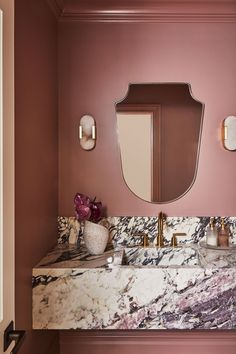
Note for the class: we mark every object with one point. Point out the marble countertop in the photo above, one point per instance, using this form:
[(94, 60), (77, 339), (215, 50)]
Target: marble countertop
[(74, 290), (69, 256)]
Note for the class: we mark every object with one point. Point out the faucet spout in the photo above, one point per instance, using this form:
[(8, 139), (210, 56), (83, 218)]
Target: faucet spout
[(160, 237)]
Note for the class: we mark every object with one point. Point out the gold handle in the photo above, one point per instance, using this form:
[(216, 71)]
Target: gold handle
[(174, 242), (144, 236)]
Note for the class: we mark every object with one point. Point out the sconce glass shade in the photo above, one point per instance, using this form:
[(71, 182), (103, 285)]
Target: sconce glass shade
[(229, 133), (87, 132)]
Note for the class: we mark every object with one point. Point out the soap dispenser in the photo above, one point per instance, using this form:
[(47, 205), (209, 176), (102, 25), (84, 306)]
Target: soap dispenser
[(223, 235), (211, 234)]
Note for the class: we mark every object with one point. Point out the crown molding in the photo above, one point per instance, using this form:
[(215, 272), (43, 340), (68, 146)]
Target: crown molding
[(147, 11), (149, 18), (57, 7)]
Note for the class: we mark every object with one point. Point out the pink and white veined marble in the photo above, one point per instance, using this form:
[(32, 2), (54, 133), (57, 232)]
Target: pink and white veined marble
[(72, 289)]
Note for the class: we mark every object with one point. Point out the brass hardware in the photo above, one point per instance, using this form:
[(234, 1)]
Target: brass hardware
[(145, 241), (225, 133), (93, 132), (87, 132), (160, 237), (174, 242), (144, 236), (80, 132)]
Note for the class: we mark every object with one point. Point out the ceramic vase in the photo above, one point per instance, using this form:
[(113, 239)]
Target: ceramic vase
[(95, 237)]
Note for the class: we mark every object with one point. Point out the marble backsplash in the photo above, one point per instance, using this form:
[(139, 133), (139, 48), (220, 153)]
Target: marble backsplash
[(123, 227), (187, 288)]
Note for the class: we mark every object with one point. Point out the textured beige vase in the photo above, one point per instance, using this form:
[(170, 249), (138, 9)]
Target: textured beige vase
[(95, 237)]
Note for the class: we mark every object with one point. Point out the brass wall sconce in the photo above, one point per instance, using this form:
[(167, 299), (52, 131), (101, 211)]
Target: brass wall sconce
[(229, 133), (87, 132)]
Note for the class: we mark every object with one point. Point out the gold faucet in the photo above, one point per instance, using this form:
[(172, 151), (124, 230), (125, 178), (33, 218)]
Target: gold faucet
[(160, 237)]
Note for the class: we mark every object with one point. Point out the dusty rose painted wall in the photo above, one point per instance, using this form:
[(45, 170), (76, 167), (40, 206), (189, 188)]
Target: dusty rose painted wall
[(97, 61), (148, 342), (36, 129)]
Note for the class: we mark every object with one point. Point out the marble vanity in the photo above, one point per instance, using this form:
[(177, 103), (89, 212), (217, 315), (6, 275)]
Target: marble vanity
[(190, 287)]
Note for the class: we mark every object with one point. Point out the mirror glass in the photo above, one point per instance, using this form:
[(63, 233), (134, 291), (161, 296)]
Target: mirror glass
[(159, 131)]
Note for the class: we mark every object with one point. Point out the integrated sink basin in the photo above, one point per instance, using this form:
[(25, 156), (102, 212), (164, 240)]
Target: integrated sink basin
[(162, 257), (187, 287)]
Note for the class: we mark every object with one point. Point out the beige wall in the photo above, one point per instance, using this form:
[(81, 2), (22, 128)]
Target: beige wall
[(136, 154)]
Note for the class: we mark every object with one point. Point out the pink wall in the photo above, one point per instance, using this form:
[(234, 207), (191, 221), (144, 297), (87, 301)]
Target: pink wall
[(148, 342), (97, 61), (36, 156)]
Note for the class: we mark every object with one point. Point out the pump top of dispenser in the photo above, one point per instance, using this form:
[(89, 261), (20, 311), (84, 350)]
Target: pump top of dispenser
[(222, 222), (212, 223)]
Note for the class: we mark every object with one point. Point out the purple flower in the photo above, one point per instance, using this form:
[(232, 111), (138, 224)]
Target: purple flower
[(96, 211), (86, 209), (82, 212), (81, 199)]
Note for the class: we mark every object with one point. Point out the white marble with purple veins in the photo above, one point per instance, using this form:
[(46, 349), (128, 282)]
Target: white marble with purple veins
[(164, 257), (73, 290), (123, 227)]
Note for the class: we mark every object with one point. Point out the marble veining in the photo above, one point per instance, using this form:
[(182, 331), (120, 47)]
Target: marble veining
[(217, 258), (130, 287), (74, 290), (122, 228), (69, 256), (166, 256), (165, 298)]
